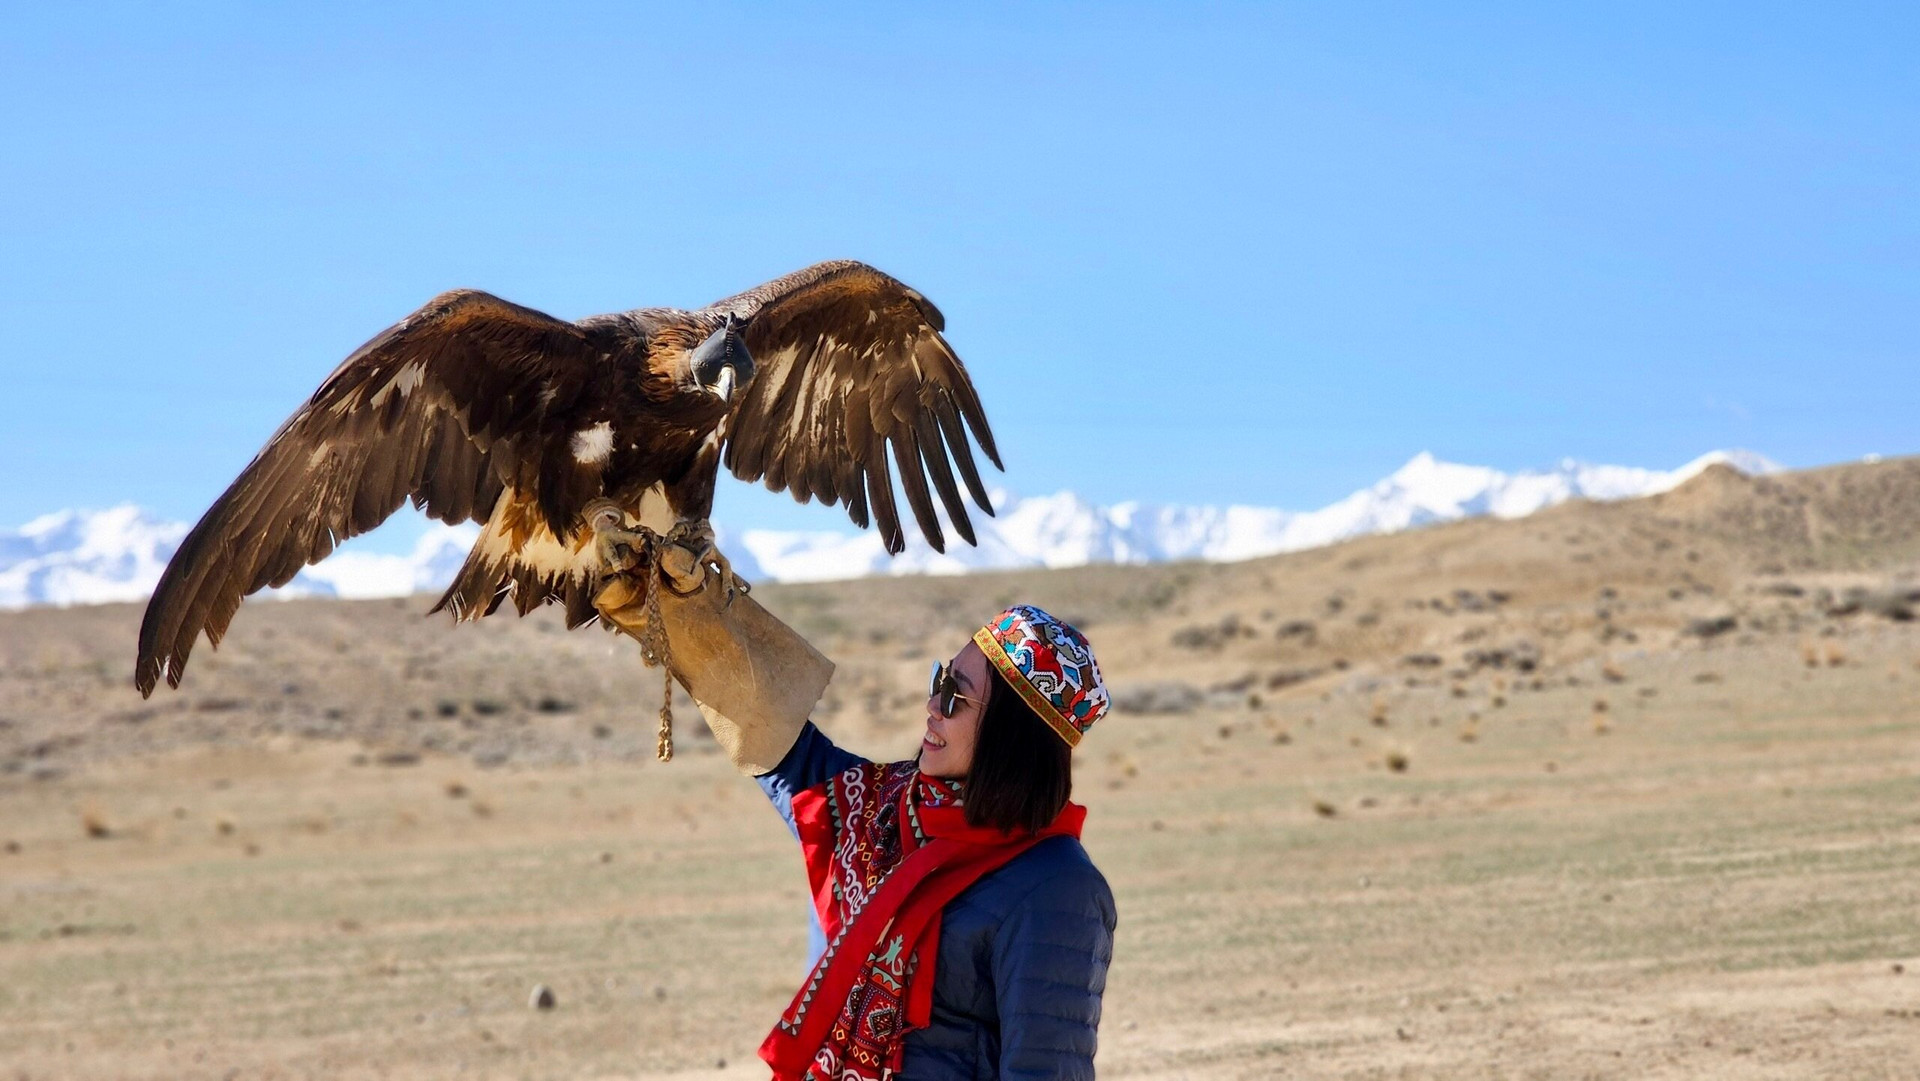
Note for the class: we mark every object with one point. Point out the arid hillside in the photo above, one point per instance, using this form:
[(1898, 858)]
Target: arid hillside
[(1725, 558), (1622, 789)]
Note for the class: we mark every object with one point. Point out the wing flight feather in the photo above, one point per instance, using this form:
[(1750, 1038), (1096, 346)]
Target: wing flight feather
[(853, 370), (427, 411)]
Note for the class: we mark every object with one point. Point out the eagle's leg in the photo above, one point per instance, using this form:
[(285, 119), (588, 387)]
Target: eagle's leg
[(696, 534), (619, 548)]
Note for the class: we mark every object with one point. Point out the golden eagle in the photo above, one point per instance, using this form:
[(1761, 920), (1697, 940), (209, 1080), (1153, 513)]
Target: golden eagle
[(477, 409)]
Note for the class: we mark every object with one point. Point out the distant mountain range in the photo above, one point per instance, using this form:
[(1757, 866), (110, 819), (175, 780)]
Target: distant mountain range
[(88, 557)]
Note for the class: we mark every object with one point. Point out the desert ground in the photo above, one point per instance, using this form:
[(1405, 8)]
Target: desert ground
[(1625, 790)]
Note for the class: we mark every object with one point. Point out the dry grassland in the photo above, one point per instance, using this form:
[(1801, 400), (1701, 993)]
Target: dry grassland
[(1623, 790)]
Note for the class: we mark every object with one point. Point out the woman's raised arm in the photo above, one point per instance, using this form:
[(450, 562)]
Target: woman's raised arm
[(812, 759)]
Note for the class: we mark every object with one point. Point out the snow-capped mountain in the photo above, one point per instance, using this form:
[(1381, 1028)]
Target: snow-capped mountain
[(117, 554), (84, 557), (1064, 530)]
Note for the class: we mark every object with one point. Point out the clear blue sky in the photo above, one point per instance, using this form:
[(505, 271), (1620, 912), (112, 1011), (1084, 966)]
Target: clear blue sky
[(1190, 252)]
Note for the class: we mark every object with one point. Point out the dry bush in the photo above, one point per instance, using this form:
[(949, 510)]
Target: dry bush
[(1710, 627), (1160, 696)]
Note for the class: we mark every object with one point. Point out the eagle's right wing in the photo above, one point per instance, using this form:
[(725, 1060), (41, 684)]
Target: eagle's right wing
[(439, 408)]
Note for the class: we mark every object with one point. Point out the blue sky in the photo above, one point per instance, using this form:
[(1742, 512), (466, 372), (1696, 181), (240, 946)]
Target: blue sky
[(1189, 252)]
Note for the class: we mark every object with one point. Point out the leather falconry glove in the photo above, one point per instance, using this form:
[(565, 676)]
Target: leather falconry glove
[(755, 679)]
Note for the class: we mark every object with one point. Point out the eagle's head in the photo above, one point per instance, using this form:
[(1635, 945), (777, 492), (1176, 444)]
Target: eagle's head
[(722, 362)]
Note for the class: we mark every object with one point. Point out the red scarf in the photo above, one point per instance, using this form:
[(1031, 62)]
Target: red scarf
[(886, 849)]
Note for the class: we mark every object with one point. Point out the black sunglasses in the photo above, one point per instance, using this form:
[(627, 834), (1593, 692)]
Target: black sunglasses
[(944, 689)]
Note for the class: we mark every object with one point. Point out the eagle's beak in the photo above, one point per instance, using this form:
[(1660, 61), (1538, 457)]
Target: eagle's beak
[(723, 386)]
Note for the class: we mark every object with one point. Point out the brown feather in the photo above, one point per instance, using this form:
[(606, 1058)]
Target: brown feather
[(468, 408), (850, 362), (356, 452)]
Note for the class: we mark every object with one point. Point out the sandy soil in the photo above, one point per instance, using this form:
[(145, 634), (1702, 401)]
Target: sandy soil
[(1612, 791)]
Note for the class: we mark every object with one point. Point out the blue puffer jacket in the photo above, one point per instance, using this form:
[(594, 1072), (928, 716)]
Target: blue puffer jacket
[(1023, 953)]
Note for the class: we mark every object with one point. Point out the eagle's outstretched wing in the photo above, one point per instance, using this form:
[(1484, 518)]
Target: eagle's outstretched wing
[(848, 361), (432, 409)]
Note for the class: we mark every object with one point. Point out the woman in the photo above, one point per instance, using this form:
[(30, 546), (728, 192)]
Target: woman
[(960, 931)]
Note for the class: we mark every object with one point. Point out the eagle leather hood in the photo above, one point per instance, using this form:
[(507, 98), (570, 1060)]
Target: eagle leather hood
[(724, 351)]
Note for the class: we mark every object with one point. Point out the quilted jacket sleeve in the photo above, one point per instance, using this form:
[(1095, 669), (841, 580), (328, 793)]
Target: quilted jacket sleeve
[(1050, 961), (812, 758)]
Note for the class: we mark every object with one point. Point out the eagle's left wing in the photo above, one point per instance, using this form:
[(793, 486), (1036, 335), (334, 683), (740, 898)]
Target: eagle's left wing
[(849, 362)]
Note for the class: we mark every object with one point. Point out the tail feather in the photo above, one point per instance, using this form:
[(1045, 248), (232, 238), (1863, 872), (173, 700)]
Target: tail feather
[(475, 591)]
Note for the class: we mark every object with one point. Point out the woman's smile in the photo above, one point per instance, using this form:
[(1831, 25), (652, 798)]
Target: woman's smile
[(946, 748)]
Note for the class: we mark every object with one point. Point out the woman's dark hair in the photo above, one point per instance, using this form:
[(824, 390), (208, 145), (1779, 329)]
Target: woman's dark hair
[(1022, 772)]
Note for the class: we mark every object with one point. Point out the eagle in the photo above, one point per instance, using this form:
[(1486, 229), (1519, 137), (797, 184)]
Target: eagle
[(477, 409)]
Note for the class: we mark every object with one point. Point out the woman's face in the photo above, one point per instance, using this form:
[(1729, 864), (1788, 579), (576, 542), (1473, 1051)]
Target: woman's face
[(946, 750)]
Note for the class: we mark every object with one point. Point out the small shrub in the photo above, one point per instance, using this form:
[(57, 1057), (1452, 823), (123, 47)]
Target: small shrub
[(1164, 696), (1710, 627)]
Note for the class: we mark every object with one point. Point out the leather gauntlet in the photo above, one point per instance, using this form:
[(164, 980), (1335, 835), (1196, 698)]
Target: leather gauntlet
[(755, 679)]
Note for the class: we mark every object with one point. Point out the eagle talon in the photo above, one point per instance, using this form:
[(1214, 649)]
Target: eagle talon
[(619, 549), (697, 536), (722, 568)]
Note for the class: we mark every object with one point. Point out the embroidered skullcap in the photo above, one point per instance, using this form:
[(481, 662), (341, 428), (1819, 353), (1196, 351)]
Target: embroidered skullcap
[(1050, 664)]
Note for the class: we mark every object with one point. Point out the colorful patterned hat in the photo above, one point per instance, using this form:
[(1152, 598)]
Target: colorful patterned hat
[(1050, 664)]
